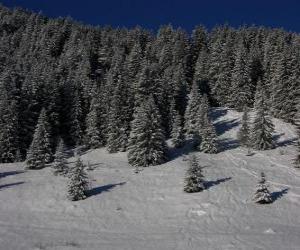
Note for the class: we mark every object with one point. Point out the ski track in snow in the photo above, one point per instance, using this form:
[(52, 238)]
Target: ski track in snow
[(150, 211)]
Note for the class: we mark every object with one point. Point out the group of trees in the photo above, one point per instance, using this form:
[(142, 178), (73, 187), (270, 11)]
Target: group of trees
[(130, 90), (195, 182), (259, 135)]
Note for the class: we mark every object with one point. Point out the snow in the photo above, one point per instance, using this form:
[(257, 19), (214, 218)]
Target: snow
[(149, 210)]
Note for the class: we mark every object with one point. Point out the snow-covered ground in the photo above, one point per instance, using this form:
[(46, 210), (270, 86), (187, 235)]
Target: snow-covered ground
[(149, 210)]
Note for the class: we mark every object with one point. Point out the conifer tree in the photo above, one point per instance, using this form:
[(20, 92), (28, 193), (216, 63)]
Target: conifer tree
[(263, 128), (297, 122), (147, 141), (78, 182), (40, 152), (60, 159), (177, 135), (194, 180), (9, 143), (193, 115), (262, 194), (241, 89), (244, 131), (208, 137), (93, 134)]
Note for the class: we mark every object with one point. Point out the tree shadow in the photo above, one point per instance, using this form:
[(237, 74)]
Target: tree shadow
[(9, 173), (224, 126), (210, 184), (11, 185), (217, 113), (227, 144), (279, 194), (101, 189), (284, 143)]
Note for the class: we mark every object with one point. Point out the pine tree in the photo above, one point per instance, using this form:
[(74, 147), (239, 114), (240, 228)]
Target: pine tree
[(208, 137), (9, 143), (193, 115), (297, 123), (93, 134), (244, 131), (241, 89), (78, 182), (194, 180), (263, 128), (40, 151), (60, 159), (147, 141), (177, 135), (262, 194)]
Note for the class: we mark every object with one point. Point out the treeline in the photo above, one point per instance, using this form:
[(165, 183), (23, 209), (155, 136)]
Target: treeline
[(94, 85)]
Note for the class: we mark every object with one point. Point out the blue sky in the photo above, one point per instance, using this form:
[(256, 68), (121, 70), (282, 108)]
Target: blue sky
[(183, 13)]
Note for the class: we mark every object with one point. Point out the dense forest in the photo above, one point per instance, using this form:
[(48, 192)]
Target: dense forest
[(100, 86)]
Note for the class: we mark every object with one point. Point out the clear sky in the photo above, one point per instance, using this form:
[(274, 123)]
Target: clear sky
[(151, 14)]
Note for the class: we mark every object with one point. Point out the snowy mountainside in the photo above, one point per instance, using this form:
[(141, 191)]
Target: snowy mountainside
[(149, 210)]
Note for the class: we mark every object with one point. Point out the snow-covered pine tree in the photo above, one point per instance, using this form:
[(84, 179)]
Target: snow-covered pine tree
[(9, 143), (263, 128), (78, 182), (93, 134), (194, 180), (297, 122), (243, 134), (193, 115), (241, 89), (40, 151), (60, 159), (208, 137), (262, 194), (147, 144), (177, 135)]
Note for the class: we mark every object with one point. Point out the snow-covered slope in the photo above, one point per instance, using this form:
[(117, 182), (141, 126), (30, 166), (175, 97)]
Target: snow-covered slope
[(149, 210)]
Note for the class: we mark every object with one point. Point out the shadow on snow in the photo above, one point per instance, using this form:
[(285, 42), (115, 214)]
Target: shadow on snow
[(11, 185), (279, 194), (9, 173), (101, 189), (209, 184)]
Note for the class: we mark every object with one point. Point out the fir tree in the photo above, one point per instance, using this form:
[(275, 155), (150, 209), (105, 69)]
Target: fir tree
[(297, 123), (193, 115), (263, 128), (244, 131), (60, 159), (93, 134), (147, 141), (194, 180), (177, 135), (208, 137), (78, 182), (9, 143), (262, 194), (40, 152)]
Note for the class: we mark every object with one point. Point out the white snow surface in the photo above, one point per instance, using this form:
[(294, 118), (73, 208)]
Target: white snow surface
[(149, 210)]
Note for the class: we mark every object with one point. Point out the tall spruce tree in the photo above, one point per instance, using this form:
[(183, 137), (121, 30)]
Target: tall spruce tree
[(263, 128), (78, 182), (244, 131), (147, 144), (60, 159), (194, 180), (9, 139), (297, 122), (93, 134), (193, 115), (208, 137), (177, 135), (40, 151)]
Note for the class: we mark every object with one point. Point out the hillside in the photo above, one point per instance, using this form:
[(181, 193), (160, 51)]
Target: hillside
[(149, 210)]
